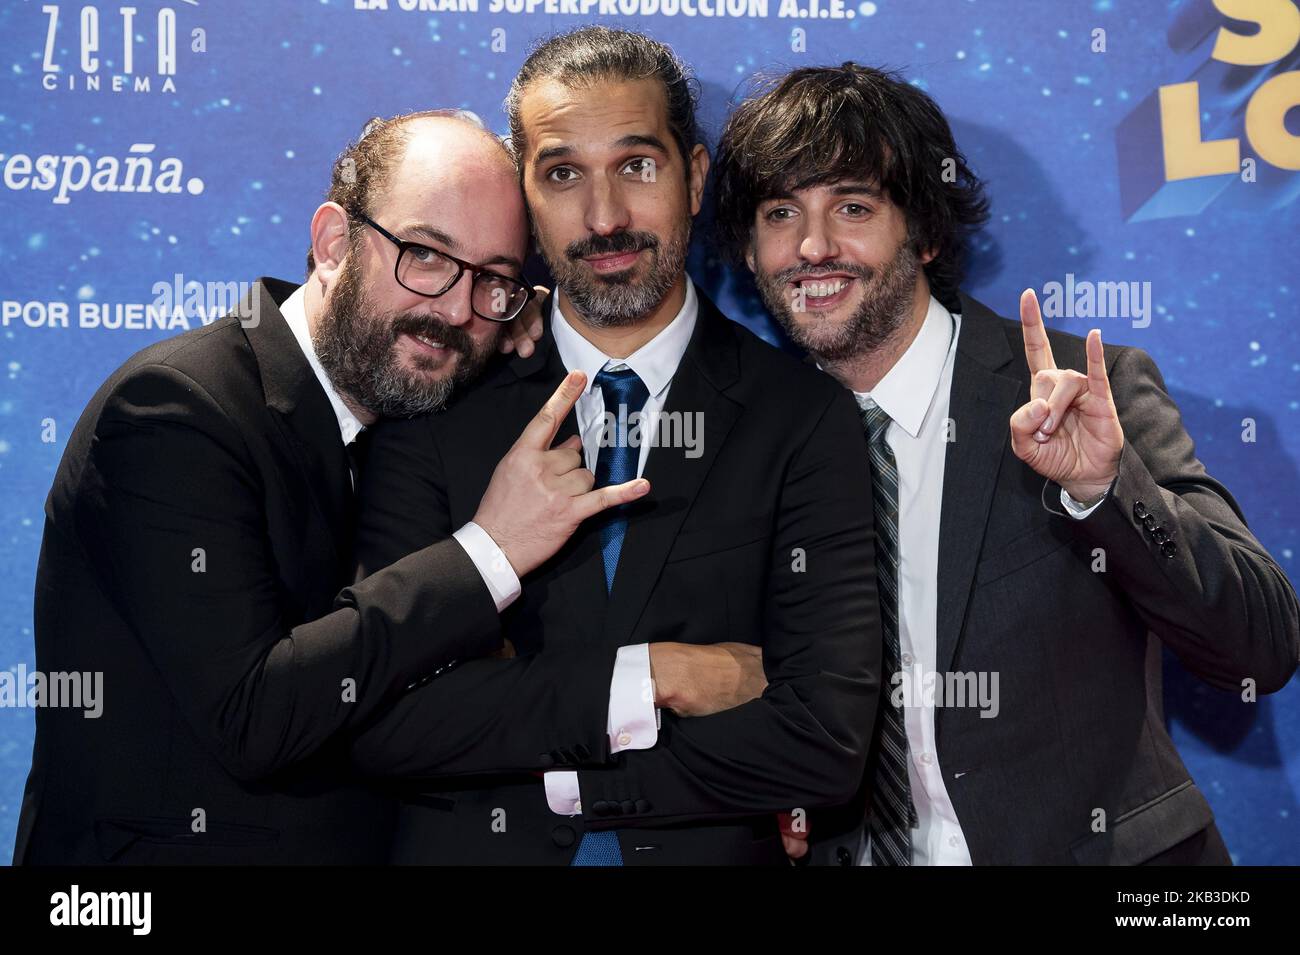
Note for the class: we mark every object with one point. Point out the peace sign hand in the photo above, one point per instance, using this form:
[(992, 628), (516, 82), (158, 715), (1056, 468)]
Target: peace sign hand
[(1069, 431)]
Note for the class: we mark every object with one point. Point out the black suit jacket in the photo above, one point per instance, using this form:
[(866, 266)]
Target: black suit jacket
[(197, 538), (765, 538), (1079, 741)]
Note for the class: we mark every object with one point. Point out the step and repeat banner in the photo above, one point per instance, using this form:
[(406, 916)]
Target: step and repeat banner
[(1143, 161)]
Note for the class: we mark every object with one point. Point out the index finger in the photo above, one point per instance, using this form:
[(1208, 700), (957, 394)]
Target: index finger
[(540, 432), (1038, 350)]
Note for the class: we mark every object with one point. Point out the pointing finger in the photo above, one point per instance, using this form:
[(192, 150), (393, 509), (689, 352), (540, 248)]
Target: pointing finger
[(1038, 350), (540, 432)]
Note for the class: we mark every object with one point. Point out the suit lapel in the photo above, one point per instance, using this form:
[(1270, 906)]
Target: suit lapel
[(302, 412), (709, 366), (579, 570), (982, 399)]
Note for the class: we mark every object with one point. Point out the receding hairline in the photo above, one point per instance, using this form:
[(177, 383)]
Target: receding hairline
[(416, 123)]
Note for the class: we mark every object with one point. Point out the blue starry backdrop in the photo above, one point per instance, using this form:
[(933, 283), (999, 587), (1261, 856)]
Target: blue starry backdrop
[(203, 157)]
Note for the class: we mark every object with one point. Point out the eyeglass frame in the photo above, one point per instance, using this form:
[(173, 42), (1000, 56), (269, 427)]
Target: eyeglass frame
[(461, 267)]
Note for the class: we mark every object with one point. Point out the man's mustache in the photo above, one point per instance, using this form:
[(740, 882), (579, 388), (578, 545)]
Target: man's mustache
[(864, 272), (615, 244), (434, 329)]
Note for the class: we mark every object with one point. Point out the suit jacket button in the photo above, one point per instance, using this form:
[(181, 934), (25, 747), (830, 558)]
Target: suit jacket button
[(843, 856), (563, 836), (601, 808), (642, 806), (546, 760), (627, 807), (1160, 535), (1167, 549), (1139, 510), (1149, 522)]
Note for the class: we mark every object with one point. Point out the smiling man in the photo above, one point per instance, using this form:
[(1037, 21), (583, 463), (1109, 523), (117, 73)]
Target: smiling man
[(198, 536), (1045, 526), (748, 563)]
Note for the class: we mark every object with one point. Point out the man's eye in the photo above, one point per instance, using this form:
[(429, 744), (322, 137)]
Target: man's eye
[(561, 174), (779, 214), (857, 209), (421, 254), (639, 166)]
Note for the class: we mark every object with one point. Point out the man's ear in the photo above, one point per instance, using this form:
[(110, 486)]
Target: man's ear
[(750, 259), (329, 238), (927, 255), (699, 173)]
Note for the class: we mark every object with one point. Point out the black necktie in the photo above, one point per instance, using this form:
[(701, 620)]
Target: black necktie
[(892, 814), (356, 456)]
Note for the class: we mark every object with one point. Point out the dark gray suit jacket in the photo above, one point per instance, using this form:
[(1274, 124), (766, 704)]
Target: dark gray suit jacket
[(1080, 727)]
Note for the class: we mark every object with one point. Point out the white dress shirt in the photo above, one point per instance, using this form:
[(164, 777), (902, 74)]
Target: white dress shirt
[(633, 720), (916, 393), (294, 311), (496, 572)]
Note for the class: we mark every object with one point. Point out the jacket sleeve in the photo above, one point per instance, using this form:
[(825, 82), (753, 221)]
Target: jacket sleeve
[(1178, 545), (804, 743), (170, 512), (481, 716)]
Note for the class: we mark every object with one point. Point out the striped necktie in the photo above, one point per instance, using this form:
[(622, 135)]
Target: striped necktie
[(625, 394), (892, 815)]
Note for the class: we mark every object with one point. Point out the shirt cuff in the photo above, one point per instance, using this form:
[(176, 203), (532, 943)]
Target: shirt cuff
[(493, 567), (562, 793), (632, 718), (1077, 510)]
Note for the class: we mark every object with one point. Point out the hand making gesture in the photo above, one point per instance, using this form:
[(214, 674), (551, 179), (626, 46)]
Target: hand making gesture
[(1069, 431)]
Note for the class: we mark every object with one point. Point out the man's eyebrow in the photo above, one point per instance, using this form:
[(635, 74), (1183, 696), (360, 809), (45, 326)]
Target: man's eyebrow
[(850, 188), (641, 139), (550, 152), (625, 142), (434, 234), (839, 189), (509, 260)]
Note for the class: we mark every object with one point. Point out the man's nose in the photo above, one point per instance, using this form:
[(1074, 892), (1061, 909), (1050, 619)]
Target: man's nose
[(817, 244), (607, 213), (454, 306)]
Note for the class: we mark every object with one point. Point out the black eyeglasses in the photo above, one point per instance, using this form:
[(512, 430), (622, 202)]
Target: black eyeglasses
[(431, 272)]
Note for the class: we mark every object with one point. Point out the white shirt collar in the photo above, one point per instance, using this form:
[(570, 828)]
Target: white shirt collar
[(907, 391), (294, 311), (654, 363)]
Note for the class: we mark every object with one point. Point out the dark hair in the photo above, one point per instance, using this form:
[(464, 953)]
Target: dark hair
[(582, 57), (820, 125), (366, 164)]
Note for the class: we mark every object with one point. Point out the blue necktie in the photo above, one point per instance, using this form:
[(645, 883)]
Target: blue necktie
[(625, 394)]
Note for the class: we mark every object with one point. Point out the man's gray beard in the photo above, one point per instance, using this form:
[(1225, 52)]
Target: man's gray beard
[(357, 349), (615, 302), (883, 310)]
